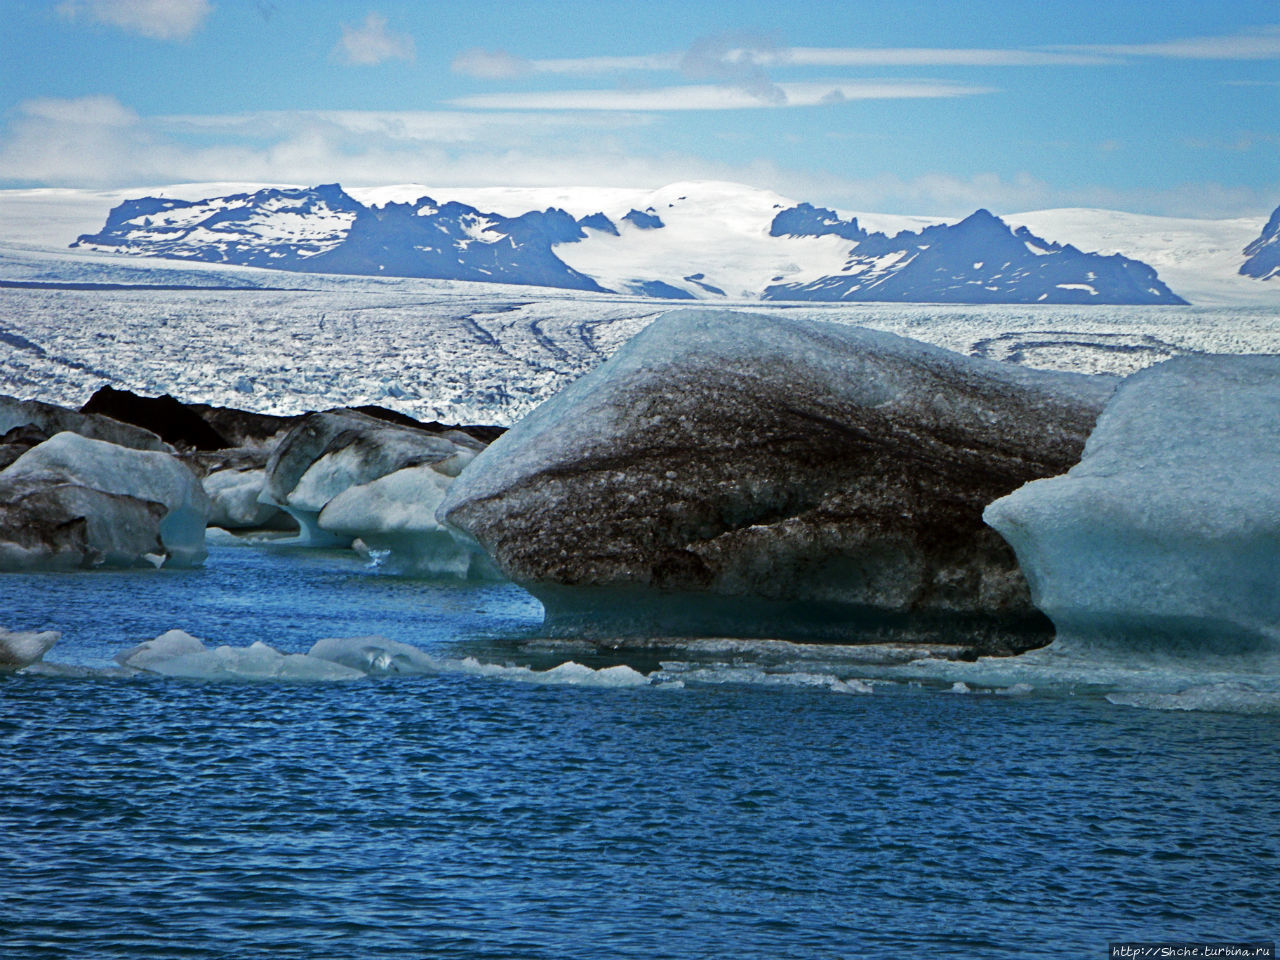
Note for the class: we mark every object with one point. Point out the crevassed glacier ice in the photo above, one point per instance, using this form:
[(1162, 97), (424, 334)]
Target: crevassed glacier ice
[(72, 501), (1166, 535)]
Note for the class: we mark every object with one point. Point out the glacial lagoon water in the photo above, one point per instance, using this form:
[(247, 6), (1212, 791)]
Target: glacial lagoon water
[(739, 800)]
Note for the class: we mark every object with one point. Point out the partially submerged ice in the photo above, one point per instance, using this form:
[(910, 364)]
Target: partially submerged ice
[(1167, 534), (179, 655), (729, 474), (21, 648), (72, 502), (344, 475)]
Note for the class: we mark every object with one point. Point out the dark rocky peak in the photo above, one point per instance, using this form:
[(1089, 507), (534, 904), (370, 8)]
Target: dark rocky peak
[(806, 220), (645, 221), (1264, 252), (163, 416), (598, 221)]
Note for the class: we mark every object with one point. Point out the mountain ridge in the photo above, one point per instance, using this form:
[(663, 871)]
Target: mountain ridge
[(707, 239)]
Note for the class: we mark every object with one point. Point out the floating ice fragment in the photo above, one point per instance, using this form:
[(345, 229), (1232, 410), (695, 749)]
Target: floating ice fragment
[(1227, 697), (167, 646), (374, 655), (1017, 690), (21, 648)]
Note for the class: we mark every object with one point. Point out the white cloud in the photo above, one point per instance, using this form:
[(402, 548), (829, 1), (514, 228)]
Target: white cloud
[(92, 111), (157, 19), (489, 64), (99, 142), (737, 58), (1261, 43), (733, 59), (805, 93), (928, 57), (372, 43)]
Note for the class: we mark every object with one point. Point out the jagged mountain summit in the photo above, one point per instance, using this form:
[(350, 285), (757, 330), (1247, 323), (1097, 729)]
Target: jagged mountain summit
[(1264, 253), (691, 241), (978, 260), (324, 230)]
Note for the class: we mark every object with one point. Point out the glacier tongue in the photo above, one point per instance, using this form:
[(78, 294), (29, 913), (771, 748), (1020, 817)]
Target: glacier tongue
[(1166, 536)]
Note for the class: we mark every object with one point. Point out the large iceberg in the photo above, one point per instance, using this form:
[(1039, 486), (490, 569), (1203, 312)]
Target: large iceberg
[(733, 474), (75, 502), (1167, 534)]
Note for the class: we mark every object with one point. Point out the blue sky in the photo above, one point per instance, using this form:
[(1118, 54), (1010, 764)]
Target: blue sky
[(908, 107)]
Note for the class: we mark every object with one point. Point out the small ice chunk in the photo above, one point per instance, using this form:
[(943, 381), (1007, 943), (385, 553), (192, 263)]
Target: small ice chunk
[(21, 648), (167, 646), (258, 661), (1226, 697), (374, 655)]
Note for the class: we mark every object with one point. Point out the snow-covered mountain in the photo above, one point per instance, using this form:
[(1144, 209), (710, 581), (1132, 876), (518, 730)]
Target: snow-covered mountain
[(1264, 253), (325, 230), (716, 239), (978, 260)]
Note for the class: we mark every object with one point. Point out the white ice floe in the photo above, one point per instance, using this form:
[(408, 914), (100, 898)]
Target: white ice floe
[(22, 648), (378, 656), (167, 646)]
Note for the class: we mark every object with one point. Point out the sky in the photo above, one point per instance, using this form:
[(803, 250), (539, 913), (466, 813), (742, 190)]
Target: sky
[(915, 107)]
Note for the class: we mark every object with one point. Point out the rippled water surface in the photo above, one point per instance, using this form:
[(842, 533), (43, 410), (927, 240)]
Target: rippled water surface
[(756, 809)]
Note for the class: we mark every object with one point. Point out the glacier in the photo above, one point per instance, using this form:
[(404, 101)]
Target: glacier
[(1166, 535)]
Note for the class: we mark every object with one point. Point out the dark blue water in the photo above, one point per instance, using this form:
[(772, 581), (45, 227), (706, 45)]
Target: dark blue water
[(462, 816)]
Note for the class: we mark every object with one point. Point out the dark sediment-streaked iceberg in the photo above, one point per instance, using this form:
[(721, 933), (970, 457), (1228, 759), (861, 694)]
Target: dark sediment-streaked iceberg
[(1167, 533), (739, 475)]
